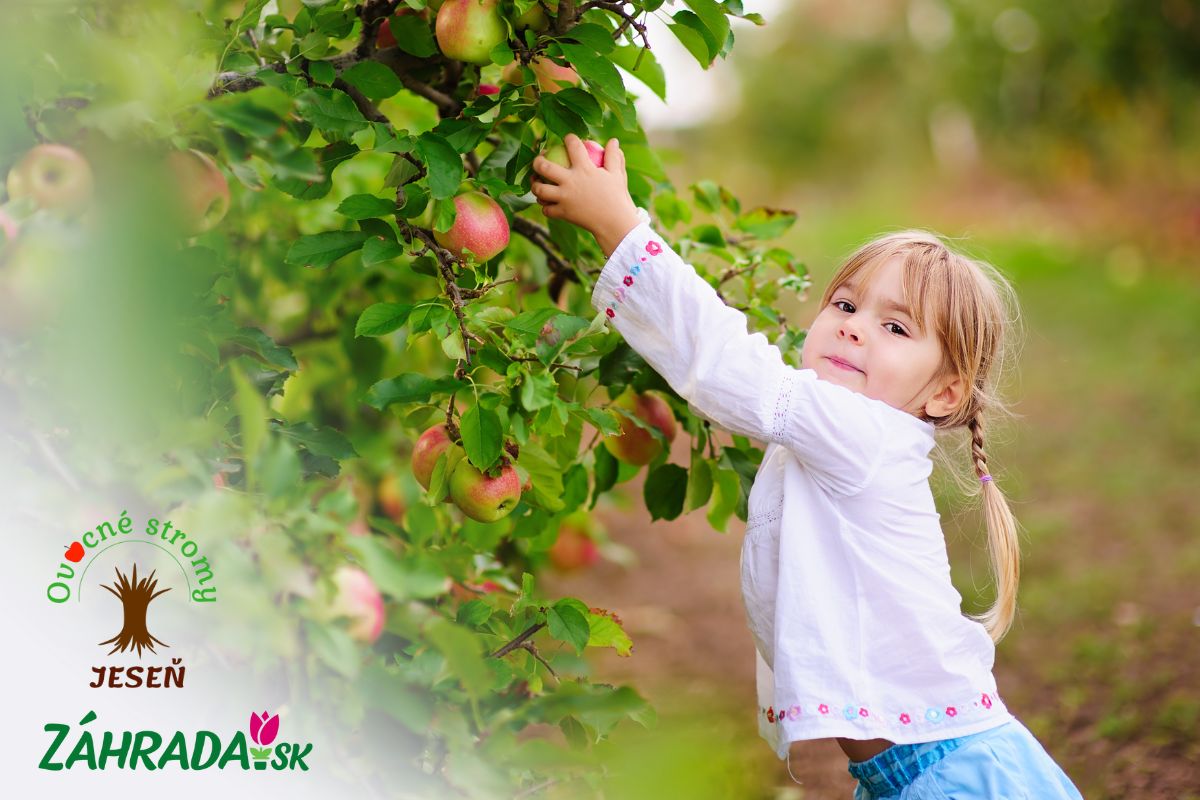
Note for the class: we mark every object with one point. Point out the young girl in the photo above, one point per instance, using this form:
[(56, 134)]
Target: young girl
[(845, 577)]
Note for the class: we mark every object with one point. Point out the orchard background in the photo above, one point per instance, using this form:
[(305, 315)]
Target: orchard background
[(265, 373)]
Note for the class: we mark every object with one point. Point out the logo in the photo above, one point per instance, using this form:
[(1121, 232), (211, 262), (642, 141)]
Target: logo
[(136, 588)]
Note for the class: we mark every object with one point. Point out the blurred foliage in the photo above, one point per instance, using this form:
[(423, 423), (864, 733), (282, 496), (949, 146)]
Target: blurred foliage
[(1048, 91)]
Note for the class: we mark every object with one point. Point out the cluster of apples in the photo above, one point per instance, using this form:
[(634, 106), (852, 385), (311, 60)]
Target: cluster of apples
[(478, 495), (467, 30), (58, 178)]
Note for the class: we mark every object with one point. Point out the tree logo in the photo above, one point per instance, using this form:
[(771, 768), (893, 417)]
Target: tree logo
[(135, 597)]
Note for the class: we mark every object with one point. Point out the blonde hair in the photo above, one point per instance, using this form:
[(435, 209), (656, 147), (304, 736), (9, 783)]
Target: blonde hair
[(972, 310)]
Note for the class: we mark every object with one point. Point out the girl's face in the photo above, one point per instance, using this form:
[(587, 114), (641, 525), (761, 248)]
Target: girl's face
[(865, 341)]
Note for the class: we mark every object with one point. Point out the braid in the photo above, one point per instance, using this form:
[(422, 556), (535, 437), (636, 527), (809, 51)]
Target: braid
[(978, 456)]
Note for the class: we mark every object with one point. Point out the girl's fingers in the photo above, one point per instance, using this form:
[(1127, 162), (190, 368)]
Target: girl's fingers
[(614, 158), (549, 170), (576, 151), (547, 192)]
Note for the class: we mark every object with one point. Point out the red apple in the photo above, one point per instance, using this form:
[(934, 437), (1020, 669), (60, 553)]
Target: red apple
[(358, 599), (557, 153), (54, 176), (482, 497), (431, 444), (546, 71), (573, 549), (467, 30), (75, 552), (203, 189), (636, 445), (479, 226), (390, 498)]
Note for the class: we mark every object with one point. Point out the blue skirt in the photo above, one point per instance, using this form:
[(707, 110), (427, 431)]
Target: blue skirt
[(1004, 763)]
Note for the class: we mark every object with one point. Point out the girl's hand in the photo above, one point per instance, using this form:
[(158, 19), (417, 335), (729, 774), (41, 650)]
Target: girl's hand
[(594, 198)]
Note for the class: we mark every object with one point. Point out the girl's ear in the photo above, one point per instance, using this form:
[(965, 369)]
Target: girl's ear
[(945, 399)]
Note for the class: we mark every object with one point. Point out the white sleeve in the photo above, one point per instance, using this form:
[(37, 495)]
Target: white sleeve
[(674, 319)]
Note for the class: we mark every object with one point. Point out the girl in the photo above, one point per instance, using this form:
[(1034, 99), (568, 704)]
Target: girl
[(845, 577)]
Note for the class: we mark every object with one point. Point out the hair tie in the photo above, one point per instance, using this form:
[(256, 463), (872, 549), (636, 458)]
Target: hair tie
[(985, 478)]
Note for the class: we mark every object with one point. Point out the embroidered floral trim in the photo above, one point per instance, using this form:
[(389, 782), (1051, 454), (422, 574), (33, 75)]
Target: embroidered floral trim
[(851, 711), (782, 403), (654, 249), (762, 517)]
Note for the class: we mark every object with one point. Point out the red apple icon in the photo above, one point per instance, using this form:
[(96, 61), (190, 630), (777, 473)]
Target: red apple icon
[(75, 552)]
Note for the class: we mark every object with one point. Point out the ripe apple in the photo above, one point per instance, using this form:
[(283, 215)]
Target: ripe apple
[(467, 30), (390, 498), (557, 153), (480, 226), (546, 71), (636, 445), (573, 549), (483, 497), (358, 599), (55, 176), (203, 189), (431, 444)]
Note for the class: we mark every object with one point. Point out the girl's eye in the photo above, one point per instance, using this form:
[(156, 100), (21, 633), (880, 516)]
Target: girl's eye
[(891, 325)]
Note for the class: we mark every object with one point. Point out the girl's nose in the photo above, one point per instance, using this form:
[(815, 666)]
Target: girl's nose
[(846, 330)]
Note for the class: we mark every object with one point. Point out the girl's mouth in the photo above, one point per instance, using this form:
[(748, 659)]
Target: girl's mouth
[(839, 363)]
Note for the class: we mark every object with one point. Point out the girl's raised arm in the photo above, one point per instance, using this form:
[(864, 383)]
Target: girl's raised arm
[(674, 319)]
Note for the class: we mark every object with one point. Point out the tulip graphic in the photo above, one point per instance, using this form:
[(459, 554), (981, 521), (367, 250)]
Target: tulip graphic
[(263, 730)]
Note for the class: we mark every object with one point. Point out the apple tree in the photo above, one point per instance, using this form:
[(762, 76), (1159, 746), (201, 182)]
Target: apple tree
[(381, 373)]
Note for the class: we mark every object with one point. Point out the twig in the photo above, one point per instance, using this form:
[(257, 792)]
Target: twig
[(518, 641)]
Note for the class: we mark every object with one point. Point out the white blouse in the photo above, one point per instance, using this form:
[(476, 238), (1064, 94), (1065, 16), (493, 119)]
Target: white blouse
[(845, 576)]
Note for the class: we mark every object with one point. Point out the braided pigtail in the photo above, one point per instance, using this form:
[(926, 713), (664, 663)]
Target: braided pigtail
[(1003, 544)]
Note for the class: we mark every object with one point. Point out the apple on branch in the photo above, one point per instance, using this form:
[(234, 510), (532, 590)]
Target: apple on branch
[(479, 226), (203, 190), (636, 445), (467, 30), (55, 177), (483, 497)]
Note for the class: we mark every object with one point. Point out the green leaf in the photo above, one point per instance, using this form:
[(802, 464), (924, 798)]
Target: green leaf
[(595, 69), (366, 206), (538, 390), (464, 654), (332, 111), (411, 708), (580, 102), (545, 475), (409, 388), (382, 318), (712, 15), (566, 624), (444, 164), (322, 249), (482, 435), (531, 322), (594, 36), (414, 576), (322, 441), (378, 250), (474, 613), (765, 223), (413, 35), (665, 490), (334, 647), (322, 72), (373, 79), (699, 483), (605, 632), (726, 490), (258, 114), (688, 31), (265, 348), (642, 64), (252, 414)]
